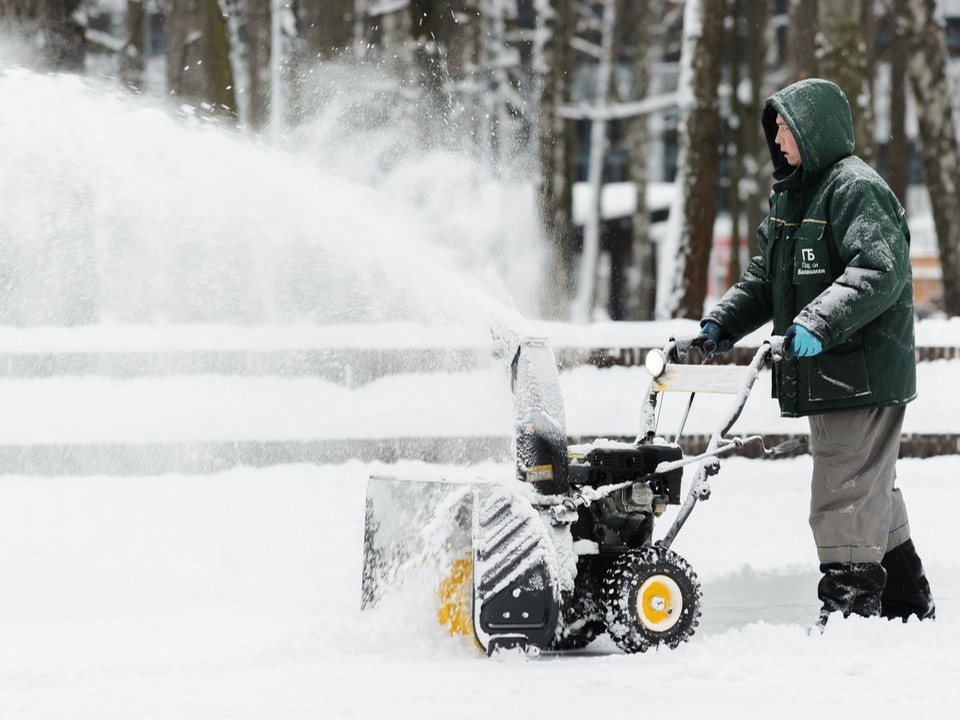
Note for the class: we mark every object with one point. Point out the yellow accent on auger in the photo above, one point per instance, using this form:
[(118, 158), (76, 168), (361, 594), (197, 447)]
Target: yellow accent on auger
[(656, 602), (455, 593)]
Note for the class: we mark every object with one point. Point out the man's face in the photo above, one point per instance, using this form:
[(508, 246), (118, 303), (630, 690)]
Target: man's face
[(787, 143)]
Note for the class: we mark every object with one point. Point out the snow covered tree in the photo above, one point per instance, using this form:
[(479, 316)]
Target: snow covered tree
[(684, 260), (923, 37), (47, 27), (198, 57)]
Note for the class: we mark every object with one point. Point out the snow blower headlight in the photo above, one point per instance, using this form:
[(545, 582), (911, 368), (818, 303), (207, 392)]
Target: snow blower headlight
[(656, 363)]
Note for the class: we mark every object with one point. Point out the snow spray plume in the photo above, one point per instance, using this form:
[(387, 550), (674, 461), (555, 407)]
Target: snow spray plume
[(115, 209), (363, 122)]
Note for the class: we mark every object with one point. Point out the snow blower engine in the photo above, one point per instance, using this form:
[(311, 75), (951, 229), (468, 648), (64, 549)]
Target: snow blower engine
[(566, 553)]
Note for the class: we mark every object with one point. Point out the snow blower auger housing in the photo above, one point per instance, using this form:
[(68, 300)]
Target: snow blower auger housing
[(565, 551)]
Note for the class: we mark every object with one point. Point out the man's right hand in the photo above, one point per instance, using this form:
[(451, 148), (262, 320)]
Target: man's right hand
[(717, 335)]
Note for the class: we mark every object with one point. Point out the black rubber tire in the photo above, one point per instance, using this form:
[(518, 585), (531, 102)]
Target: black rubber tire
[(671, 584)]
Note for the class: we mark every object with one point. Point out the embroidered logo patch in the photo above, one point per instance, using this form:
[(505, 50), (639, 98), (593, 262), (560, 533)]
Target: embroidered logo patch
[(811, 261)]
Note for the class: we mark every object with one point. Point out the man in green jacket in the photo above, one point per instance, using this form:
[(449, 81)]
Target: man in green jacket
[(834, 276)]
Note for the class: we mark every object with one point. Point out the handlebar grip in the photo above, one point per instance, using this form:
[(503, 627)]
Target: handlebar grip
[(700, 343), (777, 346), (787, 446)]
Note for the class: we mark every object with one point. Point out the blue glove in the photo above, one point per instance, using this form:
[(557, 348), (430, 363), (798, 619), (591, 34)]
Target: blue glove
[(801, 342), (717, 335)]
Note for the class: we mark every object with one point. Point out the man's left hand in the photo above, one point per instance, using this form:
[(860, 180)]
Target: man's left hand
[(801, 342)]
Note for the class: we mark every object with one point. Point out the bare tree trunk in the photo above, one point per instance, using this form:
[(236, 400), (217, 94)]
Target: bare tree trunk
[(497, 81), (426, 19), (475, 83), (237, 14), (756, 155), (258, 57), (582, 309), (898, 150), (328, 27), (802, 39), (286, 56), (198, 57), (737, 51), (49, 28), (277, 55), (927, 63), (842, 60), (397, 42), (361, 17), (869, 29), (641, 282), (555, 143), (131, 57), (458, 36), (695, 208)]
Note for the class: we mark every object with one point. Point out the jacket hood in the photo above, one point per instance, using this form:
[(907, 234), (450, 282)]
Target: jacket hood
[(818, 114)]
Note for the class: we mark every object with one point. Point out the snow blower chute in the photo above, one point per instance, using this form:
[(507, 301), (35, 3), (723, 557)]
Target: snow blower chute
[(565, 551)]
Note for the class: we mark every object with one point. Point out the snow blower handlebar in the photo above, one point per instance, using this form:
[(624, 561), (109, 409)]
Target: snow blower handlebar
[(737, 381), (678, 348)]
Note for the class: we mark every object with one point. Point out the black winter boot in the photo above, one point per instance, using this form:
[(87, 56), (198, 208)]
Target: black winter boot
[(850, 589), (907, 591)]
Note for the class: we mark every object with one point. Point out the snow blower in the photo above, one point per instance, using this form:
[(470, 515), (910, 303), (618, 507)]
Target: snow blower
[(565, 552)]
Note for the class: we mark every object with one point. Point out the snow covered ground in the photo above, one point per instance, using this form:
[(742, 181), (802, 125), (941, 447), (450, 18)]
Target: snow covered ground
[(237, 595)]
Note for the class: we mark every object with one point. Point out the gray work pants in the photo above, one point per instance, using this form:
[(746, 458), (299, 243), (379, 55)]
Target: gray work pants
[(855, 512)]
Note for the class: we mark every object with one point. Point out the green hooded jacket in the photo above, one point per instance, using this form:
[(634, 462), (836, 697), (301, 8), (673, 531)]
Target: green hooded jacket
[(835, 258)]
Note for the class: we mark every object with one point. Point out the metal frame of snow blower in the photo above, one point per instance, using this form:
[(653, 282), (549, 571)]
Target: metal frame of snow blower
[(737, 380), (676, 377)]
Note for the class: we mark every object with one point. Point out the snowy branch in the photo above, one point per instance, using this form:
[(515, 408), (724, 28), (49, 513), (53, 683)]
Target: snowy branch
[(586, 47), (105, 40), (620, 110), (387, 7)]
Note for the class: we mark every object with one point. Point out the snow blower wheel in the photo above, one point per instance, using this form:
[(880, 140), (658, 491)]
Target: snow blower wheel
[(651, 597)]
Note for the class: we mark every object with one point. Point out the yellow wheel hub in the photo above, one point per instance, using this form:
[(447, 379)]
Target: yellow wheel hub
[(455, 594), (659, 603)]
